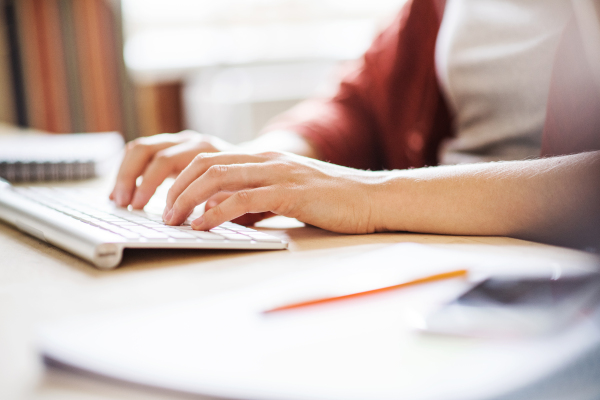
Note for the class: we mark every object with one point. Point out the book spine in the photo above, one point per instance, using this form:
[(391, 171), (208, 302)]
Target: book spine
[(126, 87), (97, 60), (16, 63), (67, 23), (7, 104), (111, 57), (29, 35), (52, 57), (146, 101)]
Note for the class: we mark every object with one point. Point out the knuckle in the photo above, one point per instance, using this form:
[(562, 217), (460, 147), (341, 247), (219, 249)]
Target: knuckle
[(282, 165), (162, 157), (200, 158), (135, 146), (187, 134), (244, 197), (216, 212), (271, 155), (217, 171), (285, 204)]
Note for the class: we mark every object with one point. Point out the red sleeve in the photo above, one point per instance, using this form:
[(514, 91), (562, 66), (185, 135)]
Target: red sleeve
[(388, 112)]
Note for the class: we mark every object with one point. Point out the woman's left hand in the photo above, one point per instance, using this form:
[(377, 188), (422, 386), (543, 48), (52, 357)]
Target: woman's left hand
[(329, 196)]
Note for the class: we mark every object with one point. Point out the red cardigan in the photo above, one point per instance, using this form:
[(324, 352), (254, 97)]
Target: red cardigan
[(389, 112)]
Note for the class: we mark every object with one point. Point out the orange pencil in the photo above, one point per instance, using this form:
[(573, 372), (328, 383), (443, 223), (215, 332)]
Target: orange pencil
[(431, 278)]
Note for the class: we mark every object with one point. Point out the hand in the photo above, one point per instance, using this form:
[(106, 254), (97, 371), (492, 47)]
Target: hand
[(325, 195), (155, 158)]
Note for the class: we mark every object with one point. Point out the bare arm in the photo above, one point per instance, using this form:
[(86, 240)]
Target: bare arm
[(553, 200)]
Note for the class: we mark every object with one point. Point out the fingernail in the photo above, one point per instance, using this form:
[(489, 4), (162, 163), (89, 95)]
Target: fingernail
[(164, 216), (169, 216), (137, 198), (121, 199), (211, 203), (197, 223)]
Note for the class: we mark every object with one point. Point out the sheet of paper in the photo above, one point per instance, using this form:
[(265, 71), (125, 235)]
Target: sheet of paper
[(33, 147), (356, 349)]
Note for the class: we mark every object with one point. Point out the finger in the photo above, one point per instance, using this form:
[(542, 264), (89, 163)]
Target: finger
[(216, 199), (157, 171), (258, 200), (199, 166), (166, 162), (246, 219), (216, 179), (134, 163)]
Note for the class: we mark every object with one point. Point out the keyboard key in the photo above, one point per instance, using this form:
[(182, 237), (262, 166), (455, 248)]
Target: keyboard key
[(206, 235), (151, 224), (153, 235), (236, 237), (165, 228), (243, 229), (180, 235), (155, 218), (230, 225), (140, 229), (125, 233), (123, 223), (219, 230), (105, 225), (263, 237)]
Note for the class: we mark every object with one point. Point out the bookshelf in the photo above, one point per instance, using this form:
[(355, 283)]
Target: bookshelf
[(62, 68)]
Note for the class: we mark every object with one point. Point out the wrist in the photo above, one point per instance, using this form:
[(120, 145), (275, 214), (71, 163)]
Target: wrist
[(387, 192)]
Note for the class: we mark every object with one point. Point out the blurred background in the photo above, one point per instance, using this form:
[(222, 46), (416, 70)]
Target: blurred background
[(149, 66)]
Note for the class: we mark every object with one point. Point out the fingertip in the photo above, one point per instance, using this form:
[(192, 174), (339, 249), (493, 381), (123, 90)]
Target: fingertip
[(198, 223), (210, 204), (165, 213), (122, 199), (169, 217), (139, 200)]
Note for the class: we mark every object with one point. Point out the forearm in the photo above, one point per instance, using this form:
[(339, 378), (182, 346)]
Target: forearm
[(281, 140), (547, 200)]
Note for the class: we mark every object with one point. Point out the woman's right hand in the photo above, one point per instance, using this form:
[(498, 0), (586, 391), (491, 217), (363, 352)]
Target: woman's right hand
[(156, 158)]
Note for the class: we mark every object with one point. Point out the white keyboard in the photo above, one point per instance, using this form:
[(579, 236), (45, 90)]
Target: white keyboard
[(134, 225), (119, 226)]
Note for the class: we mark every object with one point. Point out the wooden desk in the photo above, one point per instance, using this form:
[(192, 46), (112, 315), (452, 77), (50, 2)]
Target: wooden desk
[(40, 283)]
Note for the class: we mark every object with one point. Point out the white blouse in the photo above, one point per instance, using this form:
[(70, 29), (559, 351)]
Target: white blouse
[(494, 62)]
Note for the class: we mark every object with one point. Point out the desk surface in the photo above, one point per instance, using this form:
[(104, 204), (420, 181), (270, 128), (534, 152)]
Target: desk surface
[(40, 283)]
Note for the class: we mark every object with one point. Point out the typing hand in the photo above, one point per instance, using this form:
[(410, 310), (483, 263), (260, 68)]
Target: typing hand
[(155, 158), (318, 193)]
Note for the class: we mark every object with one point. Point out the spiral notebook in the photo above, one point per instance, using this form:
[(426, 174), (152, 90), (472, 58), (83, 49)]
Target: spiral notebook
[(30, 157)]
